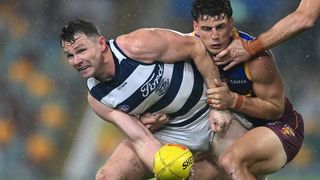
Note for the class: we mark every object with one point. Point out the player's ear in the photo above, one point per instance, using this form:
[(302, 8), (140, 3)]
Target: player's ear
[(102, 43), (231, 25), (195, 28)]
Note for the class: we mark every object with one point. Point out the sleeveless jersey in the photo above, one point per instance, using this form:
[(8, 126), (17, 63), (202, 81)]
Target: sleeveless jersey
[(239, 81), (176, 89), (238, 78)]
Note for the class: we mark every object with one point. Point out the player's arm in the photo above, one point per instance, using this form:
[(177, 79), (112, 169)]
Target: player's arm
[(143, 141), (155, 44), (301, 19), (149, 45), (267, 85)]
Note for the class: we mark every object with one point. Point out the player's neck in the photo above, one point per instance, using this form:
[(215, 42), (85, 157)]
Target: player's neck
[(108, 67)]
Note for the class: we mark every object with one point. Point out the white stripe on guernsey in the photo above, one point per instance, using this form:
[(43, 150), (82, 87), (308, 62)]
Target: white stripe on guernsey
[(129, 86), (184, 91), (115, 50), (91, 82), (154, 97), (199, 106)]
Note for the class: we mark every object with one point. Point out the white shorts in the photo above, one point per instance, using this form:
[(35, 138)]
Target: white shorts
[(196, 136)]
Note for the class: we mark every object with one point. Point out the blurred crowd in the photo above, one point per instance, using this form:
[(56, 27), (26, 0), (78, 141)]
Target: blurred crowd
[(43, 101)]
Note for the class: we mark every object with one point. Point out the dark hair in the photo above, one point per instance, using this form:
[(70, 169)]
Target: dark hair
[(78, 26), (212, 8)]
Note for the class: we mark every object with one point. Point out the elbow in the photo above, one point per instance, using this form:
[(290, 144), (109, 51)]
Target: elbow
[(307, 23), (276, 114), (278, 111), (305, 20)]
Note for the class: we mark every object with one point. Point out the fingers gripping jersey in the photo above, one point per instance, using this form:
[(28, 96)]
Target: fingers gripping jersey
[(176, 89)]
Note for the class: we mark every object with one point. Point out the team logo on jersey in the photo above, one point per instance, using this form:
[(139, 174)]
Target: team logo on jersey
[(287, 131), (163, 87), (153, 81), (123, 108)]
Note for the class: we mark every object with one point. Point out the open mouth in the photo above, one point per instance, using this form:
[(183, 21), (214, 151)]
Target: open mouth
[(83, 68)]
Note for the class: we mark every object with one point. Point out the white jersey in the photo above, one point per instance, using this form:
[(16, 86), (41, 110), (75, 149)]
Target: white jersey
[(175, 89)]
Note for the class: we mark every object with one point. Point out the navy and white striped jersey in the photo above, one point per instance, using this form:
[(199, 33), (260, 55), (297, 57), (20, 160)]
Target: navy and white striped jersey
[(176, 89)]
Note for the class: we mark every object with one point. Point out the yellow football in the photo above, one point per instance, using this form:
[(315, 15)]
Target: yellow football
[(172, 162)]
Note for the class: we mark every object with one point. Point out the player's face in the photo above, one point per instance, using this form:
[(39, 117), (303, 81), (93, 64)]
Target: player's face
[(84, 54), (215, 33)]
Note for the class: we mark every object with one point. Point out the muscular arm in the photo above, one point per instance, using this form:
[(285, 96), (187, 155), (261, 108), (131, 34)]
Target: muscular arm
[(150, 45), (301, 19), (268, 87), (142, 140)]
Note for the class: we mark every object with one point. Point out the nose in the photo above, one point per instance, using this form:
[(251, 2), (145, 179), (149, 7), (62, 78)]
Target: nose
[(214, 34)]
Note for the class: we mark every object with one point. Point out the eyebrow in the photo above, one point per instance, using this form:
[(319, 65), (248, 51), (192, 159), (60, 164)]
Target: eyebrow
[(75, 48)]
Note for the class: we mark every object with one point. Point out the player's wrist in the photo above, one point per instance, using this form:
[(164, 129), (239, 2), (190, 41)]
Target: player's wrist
[(238, 101), (253, 47)]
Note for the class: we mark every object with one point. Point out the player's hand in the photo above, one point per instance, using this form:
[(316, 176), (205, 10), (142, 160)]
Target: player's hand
[(153, 121), (220, 97), (234, 54), (220, 120)]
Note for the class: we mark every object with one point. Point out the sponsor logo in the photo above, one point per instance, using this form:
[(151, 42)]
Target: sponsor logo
[(287, 131), (162, 87), (239, 81), (187, 163), (153, 82), (122, 85)]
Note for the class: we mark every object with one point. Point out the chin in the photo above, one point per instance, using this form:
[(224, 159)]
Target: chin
[(215, 51), (86, 75)]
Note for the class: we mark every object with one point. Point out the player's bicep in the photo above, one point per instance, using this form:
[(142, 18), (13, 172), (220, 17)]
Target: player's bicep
[(178, 46), (143, 45), (155, 44), (267, 83), (164, 45)]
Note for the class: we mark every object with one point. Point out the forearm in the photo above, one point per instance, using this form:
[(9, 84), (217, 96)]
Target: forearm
[(209, 71), (206, 66), (270, 109), (284, 29), (144, 143), (301, 19)]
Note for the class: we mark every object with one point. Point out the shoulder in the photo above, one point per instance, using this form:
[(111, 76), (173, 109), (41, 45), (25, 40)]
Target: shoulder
[(131, 43), (262, 66)]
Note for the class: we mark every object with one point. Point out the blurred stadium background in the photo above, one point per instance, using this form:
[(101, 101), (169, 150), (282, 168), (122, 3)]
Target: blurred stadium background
[(46, 129)]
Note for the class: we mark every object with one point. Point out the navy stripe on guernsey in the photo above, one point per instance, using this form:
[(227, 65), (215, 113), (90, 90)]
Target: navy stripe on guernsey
[(137, 97), (190, 120), (103, 88), (125, 67), (245, 36), (174, 88), (195, 95), (236, 77)]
